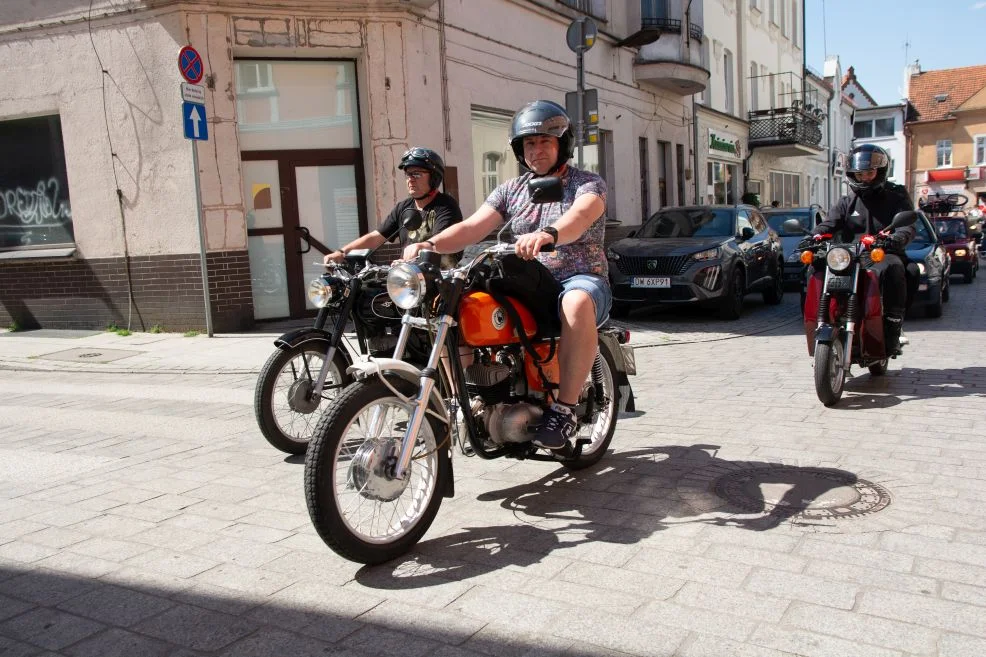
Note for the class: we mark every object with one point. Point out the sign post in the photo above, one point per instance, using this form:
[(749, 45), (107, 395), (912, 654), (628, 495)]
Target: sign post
[(196, 127), (580, 37)]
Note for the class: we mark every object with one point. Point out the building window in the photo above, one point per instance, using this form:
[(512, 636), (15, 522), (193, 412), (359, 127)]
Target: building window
[(34, 202), (944, 148), (491, 172), (785, 188), (773, 11), (883, 127), (980, 150), (490, 130), (721, 182), (784, 23), (795, 24), (706, 96), (595, 8), (727, 63), (755, 4)]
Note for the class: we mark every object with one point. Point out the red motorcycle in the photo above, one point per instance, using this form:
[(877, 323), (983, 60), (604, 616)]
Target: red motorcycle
[(843, 310)]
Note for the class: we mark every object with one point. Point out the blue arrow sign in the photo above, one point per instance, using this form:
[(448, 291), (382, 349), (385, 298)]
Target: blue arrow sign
[(193, 116)]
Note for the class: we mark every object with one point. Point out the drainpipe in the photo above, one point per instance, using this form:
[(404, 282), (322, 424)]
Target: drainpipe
[(442, 59), (686, 38)]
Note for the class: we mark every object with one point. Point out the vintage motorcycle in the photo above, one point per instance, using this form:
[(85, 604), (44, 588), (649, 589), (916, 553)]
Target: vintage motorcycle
[(843, 310), (379, 462), (309, 365)]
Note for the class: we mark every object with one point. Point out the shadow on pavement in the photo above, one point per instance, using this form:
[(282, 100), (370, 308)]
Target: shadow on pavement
[(625, 499), (909, 384)]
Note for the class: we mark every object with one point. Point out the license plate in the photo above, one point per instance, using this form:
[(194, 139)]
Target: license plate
[(839, 283), (651, 281)]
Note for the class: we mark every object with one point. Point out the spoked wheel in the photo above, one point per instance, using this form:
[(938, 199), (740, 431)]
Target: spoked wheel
[(358, 508), (597, 410), (283, 403), (830, 374)]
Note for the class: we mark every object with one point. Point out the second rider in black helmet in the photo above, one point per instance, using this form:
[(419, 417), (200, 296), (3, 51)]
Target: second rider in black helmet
[(542, 141), (868, 209), (423, 170)]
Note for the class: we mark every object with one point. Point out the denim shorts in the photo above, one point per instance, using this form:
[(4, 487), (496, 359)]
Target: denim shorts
[(596, 287)]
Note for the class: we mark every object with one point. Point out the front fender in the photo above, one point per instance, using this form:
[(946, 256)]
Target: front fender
[(378, 366), (825, 334)]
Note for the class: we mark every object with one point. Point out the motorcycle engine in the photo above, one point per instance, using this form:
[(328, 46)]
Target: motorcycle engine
[(507, 423)]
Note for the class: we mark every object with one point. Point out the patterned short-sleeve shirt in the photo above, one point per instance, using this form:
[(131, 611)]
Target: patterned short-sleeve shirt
[(583, 256)]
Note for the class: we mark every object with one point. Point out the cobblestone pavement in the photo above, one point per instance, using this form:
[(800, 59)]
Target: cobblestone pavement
[(143, 514)]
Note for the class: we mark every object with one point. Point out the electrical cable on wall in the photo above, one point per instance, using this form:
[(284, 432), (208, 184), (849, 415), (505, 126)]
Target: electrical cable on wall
[(116, 180)]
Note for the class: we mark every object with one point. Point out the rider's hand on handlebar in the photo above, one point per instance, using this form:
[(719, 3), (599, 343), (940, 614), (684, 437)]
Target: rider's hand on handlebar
[(411, 251), (334, 258), (530, 244)]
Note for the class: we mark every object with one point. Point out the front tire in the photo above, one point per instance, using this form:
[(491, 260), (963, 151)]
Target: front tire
[(282, 404), (357, 509), (934, 309), (602, 387), (830, 375), (732, 304)]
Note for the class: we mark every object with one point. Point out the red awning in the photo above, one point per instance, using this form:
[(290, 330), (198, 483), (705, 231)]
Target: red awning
[(946, 175)]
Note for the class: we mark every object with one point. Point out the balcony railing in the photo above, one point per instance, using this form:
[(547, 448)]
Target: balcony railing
[(652, 27), (785, 126)]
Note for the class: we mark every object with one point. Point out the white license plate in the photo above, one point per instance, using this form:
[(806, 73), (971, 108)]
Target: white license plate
[(651, 281)]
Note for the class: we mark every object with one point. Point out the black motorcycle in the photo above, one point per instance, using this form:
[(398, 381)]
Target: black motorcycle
[(309, 365)]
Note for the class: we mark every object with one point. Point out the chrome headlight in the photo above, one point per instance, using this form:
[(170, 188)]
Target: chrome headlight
[(708, 254), (319, 293), (838, 259), (960, 252), (406, 285)]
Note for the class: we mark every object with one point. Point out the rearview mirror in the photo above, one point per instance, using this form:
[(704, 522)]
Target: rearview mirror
[(794, 227), (545, 190), (905, 218), (411, 219), (746, 233)]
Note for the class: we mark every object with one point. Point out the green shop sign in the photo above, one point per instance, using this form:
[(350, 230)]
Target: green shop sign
[(724, 143)]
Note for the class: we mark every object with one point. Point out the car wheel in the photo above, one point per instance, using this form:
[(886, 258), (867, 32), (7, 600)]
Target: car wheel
[(775, 294), (934, 309), (732, 303), (946, 294)]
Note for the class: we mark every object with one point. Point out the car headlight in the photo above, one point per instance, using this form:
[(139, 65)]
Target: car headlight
[(838, 259), (612, 255), (794, 257), (319, 293), (406, 285), (921, 268), (960, 252), (709, 254)]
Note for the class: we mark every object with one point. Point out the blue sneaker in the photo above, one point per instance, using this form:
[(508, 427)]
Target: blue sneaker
[(558, 426)]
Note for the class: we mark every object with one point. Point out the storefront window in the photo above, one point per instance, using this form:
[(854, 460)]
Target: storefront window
[(34, 204), (287, 105), (721, 182)]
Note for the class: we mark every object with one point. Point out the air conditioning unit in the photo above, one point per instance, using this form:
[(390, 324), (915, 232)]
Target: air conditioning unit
[(974, 173)]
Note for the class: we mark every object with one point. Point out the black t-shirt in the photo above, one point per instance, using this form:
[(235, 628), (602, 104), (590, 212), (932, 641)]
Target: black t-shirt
[(854, 215), (438, 215)]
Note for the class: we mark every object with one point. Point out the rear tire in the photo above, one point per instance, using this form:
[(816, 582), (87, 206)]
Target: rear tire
[(603, 383), (830, 376), (286, 420)]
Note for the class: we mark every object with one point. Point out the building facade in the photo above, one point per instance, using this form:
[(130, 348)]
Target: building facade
[(309, 105), (946, 133)]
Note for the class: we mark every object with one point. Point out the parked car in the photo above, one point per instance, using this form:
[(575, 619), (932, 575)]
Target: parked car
[(808, 217), (931, 266), (712, 255), (954, 233)]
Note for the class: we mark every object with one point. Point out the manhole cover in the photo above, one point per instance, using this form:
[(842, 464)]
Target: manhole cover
[(809, 493), (90, 355)]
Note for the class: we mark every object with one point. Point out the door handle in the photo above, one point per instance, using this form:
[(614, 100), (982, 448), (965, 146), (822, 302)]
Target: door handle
[(305, 235)]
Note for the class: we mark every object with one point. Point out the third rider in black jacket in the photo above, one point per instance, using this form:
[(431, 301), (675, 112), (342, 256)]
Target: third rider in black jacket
[(868, 210)]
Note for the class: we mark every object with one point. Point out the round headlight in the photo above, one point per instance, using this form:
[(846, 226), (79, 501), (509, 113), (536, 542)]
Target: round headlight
[(406, 285), (319, 293), (838, 259)]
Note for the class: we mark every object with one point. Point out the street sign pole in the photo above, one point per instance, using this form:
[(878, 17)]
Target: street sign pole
[(202, 260), (580, 36), (580, 88)]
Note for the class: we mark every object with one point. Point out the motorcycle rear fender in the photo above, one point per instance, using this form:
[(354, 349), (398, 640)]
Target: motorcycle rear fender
[(610, 345), (375, 366)]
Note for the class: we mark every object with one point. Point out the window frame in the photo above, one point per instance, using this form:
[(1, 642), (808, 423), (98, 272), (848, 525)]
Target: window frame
[(978, 150), (943, 153)]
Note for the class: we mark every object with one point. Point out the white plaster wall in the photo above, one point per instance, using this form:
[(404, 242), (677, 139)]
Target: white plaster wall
[(895, 144), (57, 71)]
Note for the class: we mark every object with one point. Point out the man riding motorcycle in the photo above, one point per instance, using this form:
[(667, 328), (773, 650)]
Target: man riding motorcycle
[(869, 209)]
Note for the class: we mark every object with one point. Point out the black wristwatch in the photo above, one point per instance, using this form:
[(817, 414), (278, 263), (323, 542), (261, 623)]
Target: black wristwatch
[(550, 230)]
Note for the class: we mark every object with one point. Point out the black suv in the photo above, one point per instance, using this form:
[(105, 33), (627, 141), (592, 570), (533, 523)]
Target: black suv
[(711, 255)]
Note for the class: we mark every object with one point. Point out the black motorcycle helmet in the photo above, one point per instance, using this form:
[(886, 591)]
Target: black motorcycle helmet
[(427, 159), (542, 117), (864, 158)]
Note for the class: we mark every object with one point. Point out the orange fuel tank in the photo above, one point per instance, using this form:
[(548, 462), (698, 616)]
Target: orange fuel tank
[(484, 323), (550, 368)]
